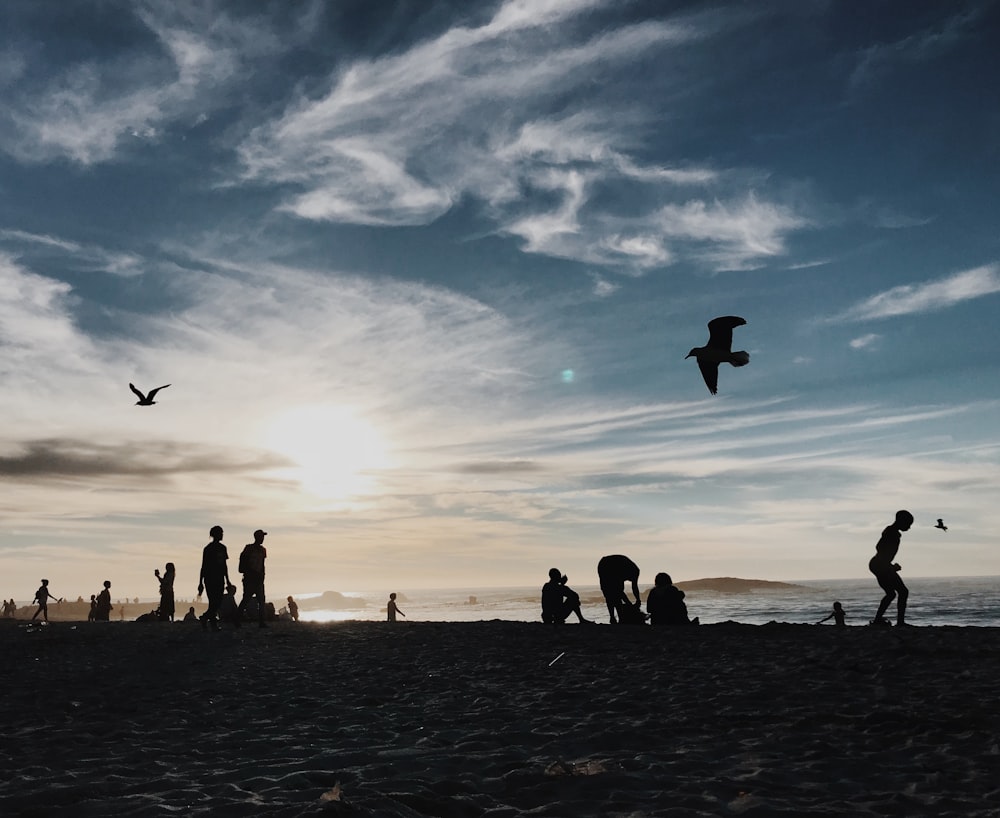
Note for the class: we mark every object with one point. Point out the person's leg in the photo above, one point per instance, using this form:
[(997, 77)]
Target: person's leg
[(215, 588), (903, 593), (609, 600), (261, 602), (887, 582)]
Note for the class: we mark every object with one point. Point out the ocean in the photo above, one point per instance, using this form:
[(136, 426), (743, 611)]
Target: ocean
[(959, 601)]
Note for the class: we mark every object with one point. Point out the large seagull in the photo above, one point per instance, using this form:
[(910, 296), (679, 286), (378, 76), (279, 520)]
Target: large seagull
[(719, 350)]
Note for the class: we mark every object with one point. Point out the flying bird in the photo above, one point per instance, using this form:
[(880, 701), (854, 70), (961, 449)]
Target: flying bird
[(146, 400), (941, 525), (719, 350)]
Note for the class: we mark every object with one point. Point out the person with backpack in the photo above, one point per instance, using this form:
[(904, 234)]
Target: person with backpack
[(252, 567)]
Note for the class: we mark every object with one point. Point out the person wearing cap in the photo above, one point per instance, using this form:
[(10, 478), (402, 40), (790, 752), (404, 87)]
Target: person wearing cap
[(252, 567)]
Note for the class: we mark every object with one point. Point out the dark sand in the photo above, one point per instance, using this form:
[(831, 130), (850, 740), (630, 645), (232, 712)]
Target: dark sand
[(470, 719)]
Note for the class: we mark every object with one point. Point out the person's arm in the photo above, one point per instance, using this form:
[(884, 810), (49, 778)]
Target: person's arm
[(828, 616), (635, 590)]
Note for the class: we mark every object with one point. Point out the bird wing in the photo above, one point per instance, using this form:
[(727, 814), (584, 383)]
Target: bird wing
[(720, 331), (710, 372), (137, 392), (154, 391)]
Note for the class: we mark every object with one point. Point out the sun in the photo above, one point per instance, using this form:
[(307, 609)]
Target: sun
[(334, 450)]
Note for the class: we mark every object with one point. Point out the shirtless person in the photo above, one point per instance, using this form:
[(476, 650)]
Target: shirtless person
[(614, 571), (887, 572)]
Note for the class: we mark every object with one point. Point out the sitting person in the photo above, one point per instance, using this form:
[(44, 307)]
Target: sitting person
[(229, 609), (665, 603), (559, 600), (191, 616)]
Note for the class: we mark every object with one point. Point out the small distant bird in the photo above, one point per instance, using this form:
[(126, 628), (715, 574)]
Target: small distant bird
[(941, 525), (719, 350), (146, 400)]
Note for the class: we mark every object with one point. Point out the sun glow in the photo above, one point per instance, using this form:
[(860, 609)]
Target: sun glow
[(335, 452)]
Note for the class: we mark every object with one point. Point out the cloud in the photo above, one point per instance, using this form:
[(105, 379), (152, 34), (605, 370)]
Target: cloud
[(737, 234), (864, 341), (490, 114), (85, 110), (81, 257), (927, 297), (876, 60), (58, 458), (499, 467)]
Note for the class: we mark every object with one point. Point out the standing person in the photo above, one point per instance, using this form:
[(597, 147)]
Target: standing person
[(252, 568), (887, 572), (293, 609), (42, 597), (559, 600), (92, 613), (102, 612), (391, 608), (214, 576), (166, 591), (614, 571)]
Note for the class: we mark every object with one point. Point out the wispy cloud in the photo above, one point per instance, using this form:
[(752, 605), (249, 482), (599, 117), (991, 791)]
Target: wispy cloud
[(398, 140), (923, 45), (864, 341), (81, 257), (88, 110), (927, 297)]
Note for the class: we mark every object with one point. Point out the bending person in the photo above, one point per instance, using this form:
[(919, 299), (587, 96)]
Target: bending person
[(614, 571)]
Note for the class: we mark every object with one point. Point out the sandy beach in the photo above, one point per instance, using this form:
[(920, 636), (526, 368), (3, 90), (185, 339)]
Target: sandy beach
[(498, 719)]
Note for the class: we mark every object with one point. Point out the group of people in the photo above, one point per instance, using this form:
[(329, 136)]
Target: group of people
[(664, 603), (213, 579), (100, 604)]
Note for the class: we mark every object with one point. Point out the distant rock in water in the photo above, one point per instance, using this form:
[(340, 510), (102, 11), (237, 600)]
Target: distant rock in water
[(331, 601), (734, 585)]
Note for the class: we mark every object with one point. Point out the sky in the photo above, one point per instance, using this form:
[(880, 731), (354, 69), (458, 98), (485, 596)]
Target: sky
[(422, 276)]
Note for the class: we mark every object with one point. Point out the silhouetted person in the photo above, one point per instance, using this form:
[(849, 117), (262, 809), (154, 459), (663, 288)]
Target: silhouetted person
[(614, 571), (102, 613), (229, 609), (42, 597), (559, 600), (166, 591), (190, 616), (293, 609), (887, 572), (252, 567), (214, 576), (391, 608), (665, 603), (837, 615), (92, 613)]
